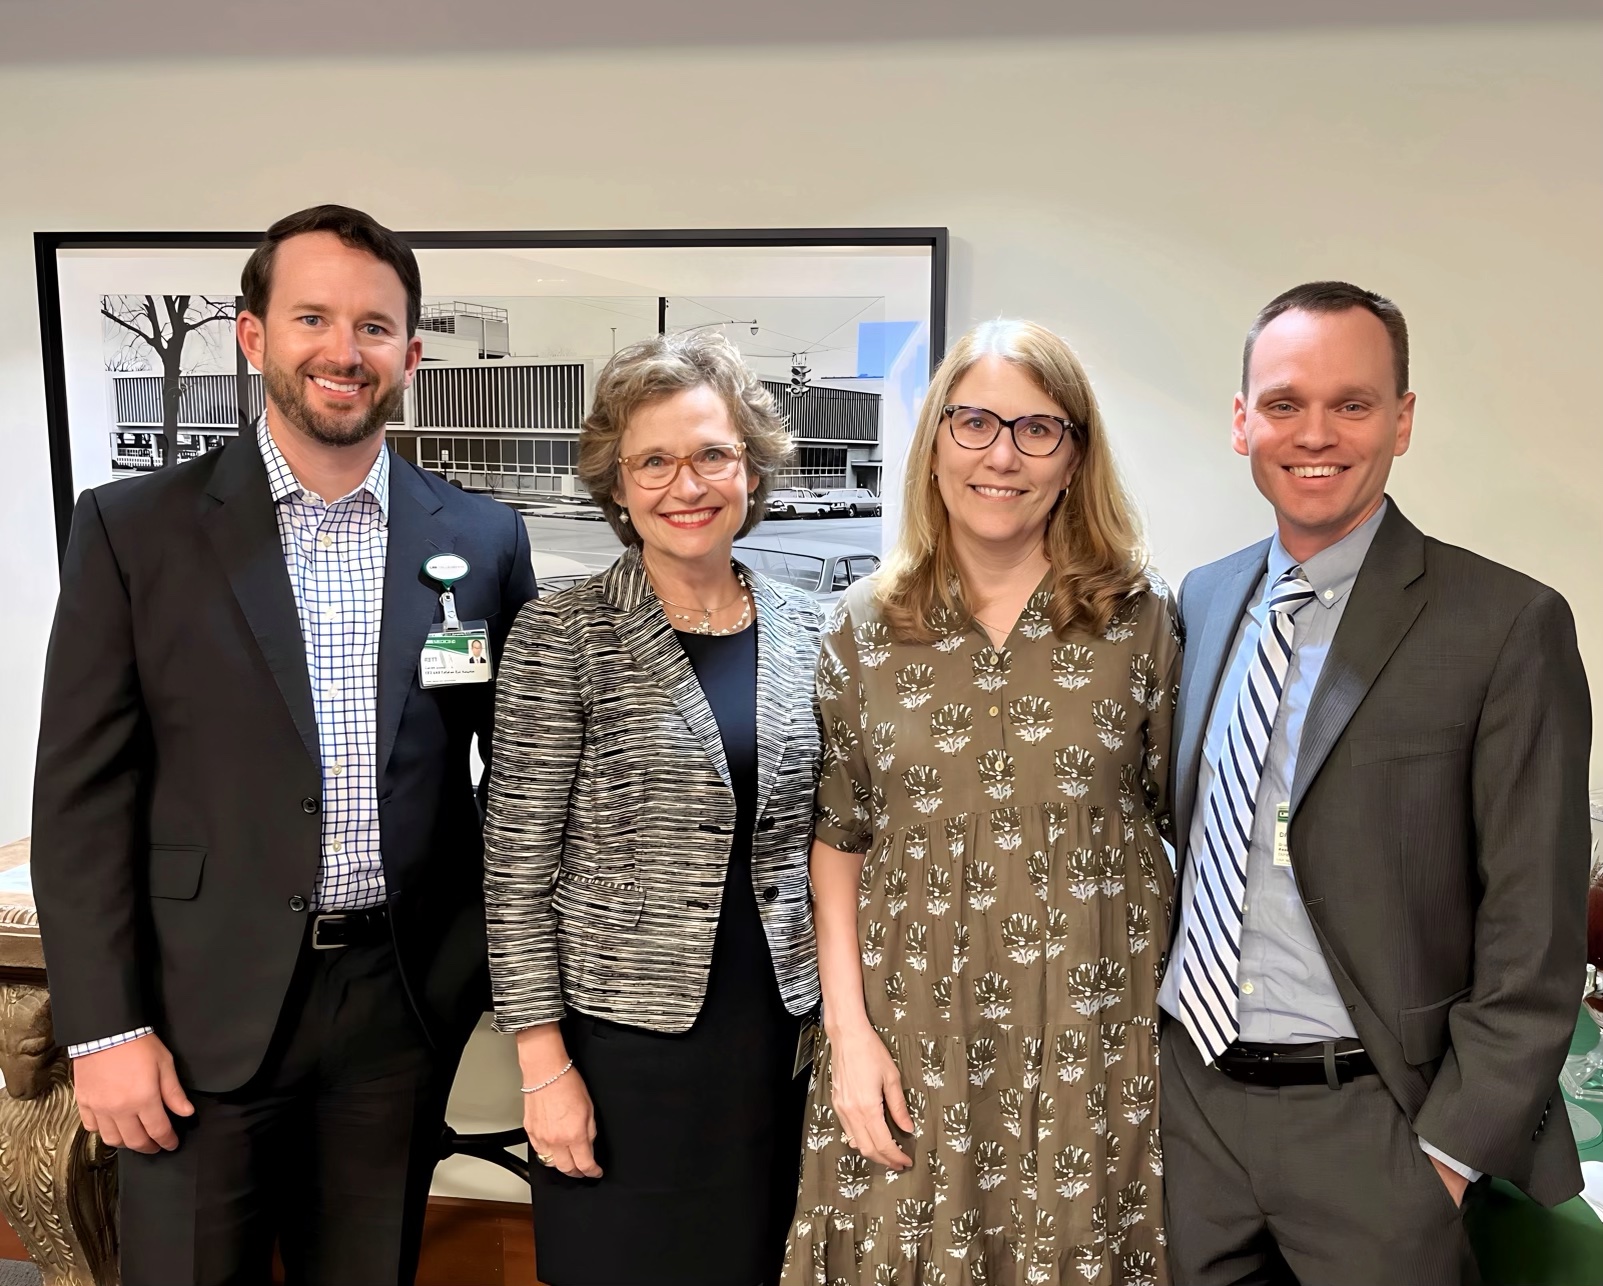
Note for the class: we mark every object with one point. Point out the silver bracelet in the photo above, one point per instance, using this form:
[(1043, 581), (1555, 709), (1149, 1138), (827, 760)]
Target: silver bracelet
[(535, 1089)]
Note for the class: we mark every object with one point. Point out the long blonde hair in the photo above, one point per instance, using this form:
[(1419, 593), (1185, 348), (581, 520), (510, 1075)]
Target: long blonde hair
[(1093, 537)]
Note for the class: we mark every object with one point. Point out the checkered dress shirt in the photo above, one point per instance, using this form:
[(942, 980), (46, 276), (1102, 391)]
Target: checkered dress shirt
[(335, 556)]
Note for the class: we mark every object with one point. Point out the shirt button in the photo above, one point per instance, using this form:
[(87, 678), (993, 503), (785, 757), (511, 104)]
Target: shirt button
[(337, 769), (1329, 594), (336, 845), (995, 711), (1247, 988), (297, 903), (326, 541)]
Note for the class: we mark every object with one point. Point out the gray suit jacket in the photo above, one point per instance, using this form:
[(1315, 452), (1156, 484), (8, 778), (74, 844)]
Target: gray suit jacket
[(611, 815), (1439, 833)]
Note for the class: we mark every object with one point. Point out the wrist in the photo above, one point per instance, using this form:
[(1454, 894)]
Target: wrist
[(849, 1027), (541, 1052)]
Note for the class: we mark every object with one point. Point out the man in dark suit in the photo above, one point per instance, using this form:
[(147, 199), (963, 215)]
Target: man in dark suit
[(258, 861), (1380, 789)]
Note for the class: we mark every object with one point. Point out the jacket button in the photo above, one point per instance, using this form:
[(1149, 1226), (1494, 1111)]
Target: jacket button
[(771, 894), (297, 903), (308, 805)]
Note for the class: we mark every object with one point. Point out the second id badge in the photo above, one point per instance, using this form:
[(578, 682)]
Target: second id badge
[(456, 656), (1283, 835), (806, 1047)]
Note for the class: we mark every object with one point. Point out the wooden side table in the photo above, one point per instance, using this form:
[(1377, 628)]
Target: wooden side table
[(58, 1182)]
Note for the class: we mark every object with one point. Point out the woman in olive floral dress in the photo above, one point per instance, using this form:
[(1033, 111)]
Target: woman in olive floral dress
[(990, 889)]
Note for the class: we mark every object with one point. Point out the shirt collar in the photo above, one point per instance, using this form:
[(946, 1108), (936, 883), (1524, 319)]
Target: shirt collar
[(1331, 571), (282, 484)]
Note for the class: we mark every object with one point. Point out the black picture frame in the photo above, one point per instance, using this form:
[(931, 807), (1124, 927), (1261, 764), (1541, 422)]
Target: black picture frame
[(49, 245)]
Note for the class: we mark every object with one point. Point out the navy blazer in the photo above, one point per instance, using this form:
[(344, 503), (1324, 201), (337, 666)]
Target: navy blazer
[(176, 833)]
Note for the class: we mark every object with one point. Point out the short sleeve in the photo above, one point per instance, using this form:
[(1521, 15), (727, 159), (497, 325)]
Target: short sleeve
[(844, 776)]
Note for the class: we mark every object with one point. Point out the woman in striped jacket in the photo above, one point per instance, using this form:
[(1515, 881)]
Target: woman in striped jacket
[(650, 812)]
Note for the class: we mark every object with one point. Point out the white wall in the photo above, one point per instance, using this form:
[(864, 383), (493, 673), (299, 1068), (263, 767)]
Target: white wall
[(1144, 197)]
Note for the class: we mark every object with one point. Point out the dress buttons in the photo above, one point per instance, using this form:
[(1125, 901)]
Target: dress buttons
[(1247, 987), (770, 894), (308, 805), (297, 903), (995, 710)]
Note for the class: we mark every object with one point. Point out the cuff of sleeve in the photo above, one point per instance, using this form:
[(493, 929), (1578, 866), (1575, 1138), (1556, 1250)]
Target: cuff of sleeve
[(107, 1042), (846, 841), (1458, 1167)]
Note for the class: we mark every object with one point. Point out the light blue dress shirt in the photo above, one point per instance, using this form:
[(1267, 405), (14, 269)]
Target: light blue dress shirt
[(1287, 996)]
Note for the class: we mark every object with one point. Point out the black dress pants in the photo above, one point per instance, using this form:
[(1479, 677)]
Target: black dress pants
[(327, 1151)]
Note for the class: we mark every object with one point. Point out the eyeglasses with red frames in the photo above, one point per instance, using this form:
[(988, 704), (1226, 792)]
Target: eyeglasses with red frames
[(655, 470), (976, 429)]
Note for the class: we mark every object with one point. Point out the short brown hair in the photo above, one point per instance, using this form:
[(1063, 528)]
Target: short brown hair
[(656, 368), (357, 230), (1334, 297), (1093, 537)]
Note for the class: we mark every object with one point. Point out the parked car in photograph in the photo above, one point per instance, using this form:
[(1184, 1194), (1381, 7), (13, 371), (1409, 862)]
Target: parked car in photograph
[(796, 502), (553, 572), (851, 502), (822, 569)]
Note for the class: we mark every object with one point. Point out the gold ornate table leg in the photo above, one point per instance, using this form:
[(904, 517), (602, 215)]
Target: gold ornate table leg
[(58, 1182)]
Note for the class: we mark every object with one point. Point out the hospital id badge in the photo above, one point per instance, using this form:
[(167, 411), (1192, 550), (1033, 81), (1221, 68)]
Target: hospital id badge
[(1283, 835), (451, 657), (806, 1047)]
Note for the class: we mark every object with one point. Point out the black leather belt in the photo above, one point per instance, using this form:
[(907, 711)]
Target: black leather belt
[(334, 929), (1330, 1062)]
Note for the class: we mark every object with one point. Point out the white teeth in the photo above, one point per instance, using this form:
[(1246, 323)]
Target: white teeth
[(1317, 470), (337, 388), (687, 520), (1001, 493)]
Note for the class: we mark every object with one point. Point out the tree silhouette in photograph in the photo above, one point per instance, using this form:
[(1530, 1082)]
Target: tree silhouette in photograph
[(163, 323)]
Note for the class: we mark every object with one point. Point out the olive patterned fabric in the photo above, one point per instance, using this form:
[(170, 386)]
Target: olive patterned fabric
[(1012, 907)]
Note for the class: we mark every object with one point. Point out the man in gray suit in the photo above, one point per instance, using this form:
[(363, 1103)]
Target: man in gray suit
[(1380, 802)]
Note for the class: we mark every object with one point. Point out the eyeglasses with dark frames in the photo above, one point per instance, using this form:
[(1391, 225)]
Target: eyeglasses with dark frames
[(655, 470), (976, 429)]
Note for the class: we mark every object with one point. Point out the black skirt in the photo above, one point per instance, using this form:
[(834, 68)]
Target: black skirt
[(698, 1134)]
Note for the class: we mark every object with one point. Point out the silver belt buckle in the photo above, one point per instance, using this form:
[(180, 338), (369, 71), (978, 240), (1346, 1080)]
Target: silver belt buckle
[(318, 921)]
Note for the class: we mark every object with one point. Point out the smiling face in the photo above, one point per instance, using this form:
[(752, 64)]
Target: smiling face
[(1321, 421), (693, 520), (332, 349), (998, 498)]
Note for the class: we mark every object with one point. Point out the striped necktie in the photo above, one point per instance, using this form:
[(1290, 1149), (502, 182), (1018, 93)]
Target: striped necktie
[(1208, 985)]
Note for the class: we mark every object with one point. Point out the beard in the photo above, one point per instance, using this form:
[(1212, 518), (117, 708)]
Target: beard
[(286, 390)]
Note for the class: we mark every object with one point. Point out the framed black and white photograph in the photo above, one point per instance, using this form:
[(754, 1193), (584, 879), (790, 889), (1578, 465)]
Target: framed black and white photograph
[(843, 326)]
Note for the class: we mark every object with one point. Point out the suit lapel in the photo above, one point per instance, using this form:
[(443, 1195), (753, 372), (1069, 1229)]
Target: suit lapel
[(1206, 659), (243, 530), (779, 677), (645, 631), (416, 530), (1386, 599)]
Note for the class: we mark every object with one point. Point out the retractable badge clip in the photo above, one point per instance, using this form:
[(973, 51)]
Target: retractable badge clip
[(445, 570), (455, 652)]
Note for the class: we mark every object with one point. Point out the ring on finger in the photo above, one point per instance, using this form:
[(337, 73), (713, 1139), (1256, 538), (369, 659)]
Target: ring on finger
[(544, 1158)]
